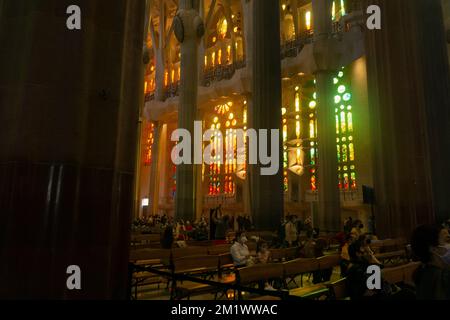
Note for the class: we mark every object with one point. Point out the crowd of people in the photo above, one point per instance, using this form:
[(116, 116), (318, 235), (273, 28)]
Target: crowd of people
[(430, 245)]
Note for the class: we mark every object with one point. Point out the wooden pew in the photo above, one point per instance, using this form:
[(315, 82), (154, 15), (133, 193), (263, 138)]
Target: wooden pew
[(156, 258), (188, 251), (202, 265), (401, 274), (219, 249), (259, 273), (298, 267), (338, 289), (329, 262)]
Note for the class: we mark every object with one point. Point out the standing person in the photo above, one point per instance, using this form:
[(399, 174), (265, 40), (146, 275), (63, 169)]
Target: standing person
[(282, 233), (291, 231), (212, 225), (221, 226), (247, 223), (240, 222)]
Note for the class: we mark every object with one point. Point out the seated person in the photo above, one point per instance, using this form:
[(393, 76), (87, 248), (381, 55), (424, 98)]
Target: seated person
[(239, 251), (263, 257), (357, 274), (433, 277), (368, 251), (262, 252)]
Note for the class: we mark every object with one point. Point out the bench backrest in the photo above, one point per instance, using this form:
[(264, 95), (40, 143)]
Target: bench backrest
[(219, 249), (188, 251), (195, 263), (300, 266), (329, 262), (338, 289), (149, 254), (260, 272)]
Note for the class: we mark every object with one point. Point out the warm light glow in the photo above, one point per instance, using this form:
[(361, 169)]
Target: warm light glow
[(219, 57), (342, 8), (223, 28), (297, 102), (308, 20), (333, 11)]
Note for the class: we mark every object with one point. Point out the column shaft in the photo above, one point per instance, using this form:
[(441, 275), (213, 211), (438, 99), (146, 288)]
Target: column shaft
[(266, 192), (69, 107)]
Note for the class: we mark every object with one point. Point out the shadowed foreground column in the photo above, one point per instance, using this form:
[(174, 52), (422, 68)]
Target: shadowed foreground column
[(68, 115), (409, 99), (266, 192)]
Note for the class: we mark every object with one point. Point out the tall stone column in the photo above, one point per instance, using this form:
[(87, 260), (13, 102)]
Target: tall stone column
[(188, 28), (266, 192), (69, 107), (329, 198), (408, 81)]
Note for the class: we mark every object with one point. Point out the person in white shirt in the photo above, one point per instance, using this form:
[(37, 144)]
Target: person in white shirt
[(291, 231), (239, 250)]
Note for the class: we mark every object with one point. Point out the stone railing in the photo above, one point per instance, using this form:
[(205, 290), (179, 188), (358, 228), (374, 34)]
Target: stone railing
[(292, 48), (222, 72)]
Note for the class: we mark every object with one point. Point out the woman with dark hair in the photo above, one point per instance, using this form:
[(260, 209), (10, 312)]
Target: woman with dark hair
[(433, 277)]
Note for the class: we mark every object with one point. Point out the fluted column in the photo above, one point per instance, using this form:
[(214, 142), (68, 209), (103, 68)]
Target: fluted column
[(408, 81), (329, 198), (188, 29), (266, 192), (69, 107)]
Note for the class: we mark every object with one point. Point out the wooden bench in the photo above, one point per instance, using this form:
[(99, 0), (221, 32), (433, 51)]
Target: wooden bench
[(298, 267), (188, 251), (219, 249), (315, 292), (258, 274), (202, 265), (401, 274), (329, 262), (156, 258), (392, 257), (284, 254), (338, 290)]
